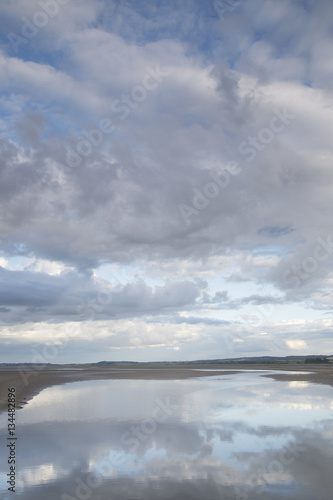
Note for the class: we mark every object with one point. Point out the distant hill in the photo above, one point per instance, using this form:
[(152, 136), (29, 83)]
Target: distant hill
[(270, 359), (117, 363), (315, 358)]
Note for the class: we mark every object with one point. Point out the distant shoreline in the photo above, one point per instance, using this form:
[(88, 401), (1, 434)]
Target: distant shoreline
[(49, 376)]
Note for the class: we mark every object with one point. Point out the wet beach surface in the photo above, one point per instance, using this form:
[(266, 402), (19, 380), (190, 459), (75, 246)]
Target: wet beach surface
[(192, 435), (29, 381)]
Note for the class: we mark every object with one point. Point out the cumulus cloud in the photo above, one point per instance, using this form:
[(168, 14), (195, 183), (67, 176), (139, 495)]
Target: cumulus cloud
[(115, 117)]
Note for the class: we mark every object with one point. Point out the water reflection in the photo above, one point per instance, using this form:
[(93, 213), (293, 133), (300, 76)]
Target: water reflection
[(238, 436)]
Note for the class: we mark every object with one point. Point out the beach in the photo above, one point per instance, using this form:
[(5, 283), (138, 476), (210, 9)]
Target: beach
[(29, 381)]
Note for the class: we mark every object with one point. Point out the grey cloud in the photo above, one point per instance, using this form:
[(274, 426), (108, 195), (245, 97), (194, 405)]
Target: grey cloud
[(235, 107), (121, 204), (138, 296), (30, 127), (18, 288), (122, 209), (35, 296)]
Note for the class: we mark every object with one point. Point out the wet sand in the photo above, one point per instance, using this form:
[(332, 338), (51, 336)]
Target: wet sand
[(30, 381)]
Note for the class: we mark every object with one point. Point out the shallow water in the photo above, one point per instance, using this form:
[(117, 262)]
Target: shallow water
[(233, 436)]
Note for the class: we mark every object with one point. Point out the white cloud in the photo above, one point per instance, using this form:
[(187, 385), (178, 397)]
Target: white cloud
[(248, 247), (297, 345)]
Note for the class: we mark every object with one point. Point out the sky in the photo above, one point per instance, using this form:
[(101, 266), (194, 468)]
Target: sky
[(166, 179)]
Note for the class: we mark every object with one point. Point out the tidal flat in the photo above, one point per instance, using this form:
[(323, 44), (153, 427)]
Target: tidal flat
[(29, 380), (245, 432)]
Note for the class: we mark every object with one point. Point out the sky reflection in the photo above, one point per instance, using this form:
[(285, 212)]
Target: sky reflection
[(237, 436)]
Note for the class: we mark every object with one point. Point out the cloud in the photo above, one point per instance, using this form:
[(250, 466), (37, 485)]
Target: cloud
[(67, 294), (253, 90), (296, 344)]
